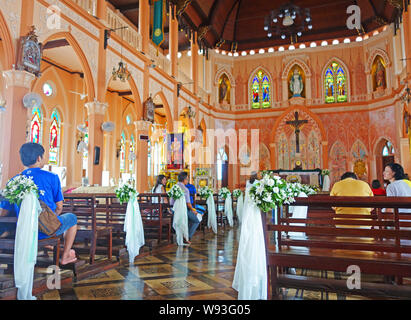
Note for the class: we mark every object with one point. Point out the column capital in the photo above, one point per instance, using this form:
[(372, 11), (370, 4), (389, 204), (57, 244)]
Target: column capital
[(18, 78), (142, 125), (96, 107)]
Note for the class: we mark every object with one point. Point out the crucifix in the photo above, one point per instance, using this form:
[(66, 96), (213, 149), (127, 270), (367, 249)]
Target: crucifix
[(297, 124)]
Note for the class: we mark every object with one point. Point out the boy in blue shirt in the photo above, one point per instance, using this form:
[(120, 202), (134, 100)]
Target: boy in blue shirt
[(32, 156)]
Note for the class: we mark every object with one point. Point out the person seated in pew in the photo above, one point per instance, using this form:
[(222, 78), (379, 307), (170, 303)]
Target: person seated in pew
[(350, 186), (399, 186), (160, 187), (33, 157), (377, 190), (193, 220), (193, 191)]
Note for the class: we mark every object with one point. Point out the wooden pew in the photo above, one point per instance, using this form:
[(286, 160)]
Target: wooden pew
[(7, 249), (84, 207), (379, 244)]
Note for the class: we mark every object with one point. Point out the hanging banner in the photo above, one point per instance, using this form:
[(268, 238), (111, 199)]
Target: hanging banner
[(158, 22)]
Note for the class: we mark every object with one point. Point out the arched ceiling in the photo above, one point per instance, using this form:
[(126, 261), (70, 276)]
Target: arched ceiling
[(242, 21)]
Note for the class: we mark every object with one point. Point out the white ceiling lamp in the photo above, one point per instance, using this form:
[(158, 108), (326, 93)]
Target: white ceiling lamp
[(270, 50), (179, 55), (288, 21), (168, 56), (223, 52), (261, 51), (324, 43), (358, 39), (243, 53), (236, 54), (291, 48), (313, 44), (189, 53), (335, 42), (302, 46), (281, 49), (347, 40), (252, 52), (217, 51), (375, 33), (230, 54), (108, 126), (366, 37)]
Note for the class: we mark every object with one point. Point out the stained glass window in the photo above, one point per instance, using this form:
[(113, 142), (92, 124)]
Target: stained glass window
[(36, 125), (260, 91), (123, 152), (132, 151), (47, 89), (335, 84), (388, 149), (55, 136)]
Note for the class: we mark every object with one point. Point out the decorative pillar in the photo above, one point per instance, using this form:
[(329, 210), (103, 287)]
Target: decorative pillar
[(324, 145), (102, 54), (144, 24), (102, 9), (96, 111), (194, 62), (13, 132), (173, 42), (140, 167)]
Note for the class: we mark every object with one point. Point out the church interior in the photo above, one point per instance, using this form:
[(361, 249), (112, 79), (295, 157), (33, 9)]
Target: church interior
[(122, 91)]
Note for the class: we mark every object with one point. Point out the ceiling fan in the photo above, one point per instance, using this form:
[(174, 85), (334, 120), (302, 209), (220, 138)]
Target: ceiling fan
[(82, 95)]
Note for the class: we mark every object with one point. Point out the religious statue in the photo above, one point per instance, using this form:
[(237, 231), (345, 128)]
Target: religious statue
[(380, 75), (296, 83), (297, 124), (224, 90), (53, 143), (175, 151)]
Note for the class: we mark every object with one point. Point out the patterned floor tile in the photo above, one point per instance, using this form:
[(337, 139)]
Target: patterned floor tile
[(177, 285)]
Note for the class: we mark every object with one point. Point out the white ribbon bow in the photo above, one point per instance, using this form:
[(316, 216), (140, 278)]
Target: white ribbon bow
[(180, 220), (212, 216), (228, 210), (133, 226)]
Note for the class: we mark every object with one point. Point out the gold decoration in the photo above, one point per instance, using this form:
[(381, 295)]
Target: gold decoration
[(360, 168)]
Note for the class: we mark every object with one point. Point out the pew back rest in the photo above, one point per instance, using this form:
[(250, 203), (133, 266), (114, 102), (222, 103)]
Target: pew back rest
[(84, 207), (384, 232)]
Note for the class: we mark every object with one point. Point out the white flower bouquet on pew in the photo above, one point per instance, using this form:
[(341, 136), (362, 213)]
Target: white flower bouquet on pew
[(237, 193), (270, 192), (125, 193), (296, 188), (175, 192), (224, 193), (18, 187), (205, 192), (325, 172)]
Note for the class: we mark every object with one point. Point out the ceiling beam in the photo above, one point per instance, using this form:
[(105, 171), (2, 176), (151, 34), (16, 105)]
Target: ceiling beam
[(228, 17), (56, 44)]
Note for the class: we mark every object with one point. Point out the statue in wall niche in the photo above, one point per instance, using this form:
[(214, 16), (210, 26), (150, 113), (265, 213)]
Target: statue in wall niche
[(224, 87), (296, 84), (380, 75)]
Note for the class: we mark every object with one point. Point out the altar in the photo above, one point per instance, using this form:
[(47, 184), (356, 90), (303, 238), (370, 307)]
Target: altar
[(310, 177)]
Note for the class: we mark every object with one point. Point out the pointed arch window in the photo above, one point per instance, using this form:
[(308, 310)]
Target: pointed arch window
[(123, 152), (221, 159), (55, 136), (388, 149), (85, 153), (260, 91), (132, 151), (36, 125), (335, 84)]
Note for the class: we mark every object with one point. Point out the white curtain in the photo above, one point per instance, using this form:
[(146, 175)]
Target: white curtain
[(326, 183), (180, 220), (133, 226), (212, 216), (25, 246), (240, 205), (298, 212), (228, 210), (250, 277)]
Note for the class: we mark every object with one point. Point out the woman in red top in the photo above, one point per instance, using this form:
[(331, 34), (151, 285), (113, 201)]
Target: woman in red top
[(376, 188)]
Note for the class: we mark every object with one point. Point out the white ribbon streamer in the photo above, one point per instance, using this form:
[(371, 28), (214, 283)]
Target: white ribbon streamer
[(180, 220), (298, 212), (326, 183), (212, 216), (250, 277), (25, 246), (228, 210), (240, 205), (133, 226)]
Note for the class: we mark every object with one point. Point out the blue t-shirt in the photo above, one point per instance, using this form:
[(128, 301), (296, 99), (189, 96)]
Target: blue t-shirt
[(192, 190), (46, 181)]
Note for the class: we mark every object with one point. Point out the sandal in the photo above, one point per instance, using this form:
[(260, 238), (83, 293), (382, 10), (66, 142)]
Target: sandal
[(69, 261)]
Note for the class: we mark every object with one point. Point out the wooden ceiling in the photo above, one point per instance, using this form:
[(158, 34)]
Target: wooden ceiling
[(242, 21)]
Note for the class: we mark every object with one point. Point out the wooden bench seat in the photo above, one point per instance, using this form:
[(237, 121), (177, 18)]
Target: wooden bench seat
[(380, 244)]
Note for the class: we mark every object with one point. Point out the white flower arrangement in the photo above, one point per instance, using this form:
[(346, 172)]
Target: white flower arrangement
[(296, 188), (175, 192), (18, 187), (237, 193), (125, 192), (325, 172), (270, 192), (205, 192), (224, 193)]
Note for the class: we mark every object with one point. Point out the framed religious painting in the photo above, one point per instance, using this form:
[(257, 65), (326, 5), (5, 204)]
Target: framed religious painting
[(149, 108), (175, 151), (30, 53)]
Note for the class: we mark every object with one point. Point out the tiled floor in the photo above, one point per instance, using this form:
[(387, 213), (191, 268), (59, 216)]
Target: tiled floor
[(202, 271)]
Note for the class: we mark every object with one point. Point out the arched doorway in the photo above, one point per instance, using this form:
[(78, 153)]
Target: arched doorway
[(222, 168), (385, 154)]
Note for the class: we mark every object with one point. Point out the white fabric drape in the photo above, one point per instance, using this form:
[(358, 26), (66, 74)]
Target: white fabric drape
[(180, 220), (298, 212), (25, 246), (326, 183), (250, 277), (133, 226), (228, 210), (240, 205), (212, 216)]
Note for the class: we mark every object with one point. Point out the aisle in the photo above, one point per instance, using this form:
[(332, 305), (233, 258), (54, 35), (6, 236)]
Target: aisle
[(204, 270)]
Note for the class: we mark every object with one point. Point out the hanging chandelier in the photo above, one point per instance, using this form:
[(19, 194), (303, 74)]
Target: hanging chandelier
[(121, 73), (288, 21)]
